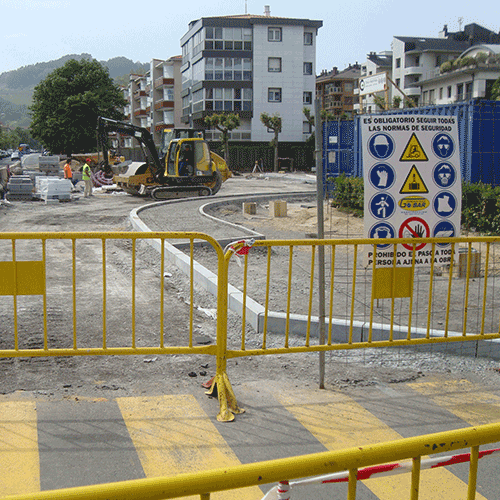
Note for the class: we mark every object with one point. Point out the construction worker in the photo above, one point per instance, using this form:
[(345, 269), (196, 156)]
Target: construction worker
[(86, 178), (68, 173)]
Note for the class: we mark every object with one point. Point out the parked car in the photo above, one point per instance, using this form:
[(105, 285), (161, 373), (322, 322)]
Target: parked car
[(15, 156)]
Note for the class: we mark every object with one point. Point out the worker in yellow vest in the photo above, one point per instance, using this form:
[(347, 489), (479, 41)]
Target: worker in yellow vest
[(86, 178)]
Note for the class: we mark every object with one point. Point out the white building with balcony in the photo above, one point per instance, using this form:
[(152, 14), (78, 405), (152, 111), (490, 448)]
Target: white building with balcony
[(249, 64), (473, 79), (417, 58)]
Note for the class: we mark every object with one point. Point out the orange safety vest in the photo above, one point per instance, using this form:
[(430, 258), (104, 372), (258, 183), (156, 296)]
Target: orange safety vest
[(68, 174)]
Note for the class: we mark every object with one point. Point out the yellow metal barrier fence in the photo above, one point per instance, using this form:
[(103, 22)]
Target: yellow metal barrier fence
[(367, 304), (257, 474), (375, 303)]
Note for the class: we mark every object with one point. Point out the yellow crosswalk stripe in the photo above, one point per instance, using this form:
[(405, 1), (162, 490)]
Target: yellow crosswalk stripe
[(19, 462), (172, 435), (339, 422), (464, 399)]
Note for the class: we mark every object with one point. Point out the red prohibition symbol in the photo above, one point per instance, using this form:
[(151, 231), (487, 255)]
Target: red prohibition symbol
[(414, 227)]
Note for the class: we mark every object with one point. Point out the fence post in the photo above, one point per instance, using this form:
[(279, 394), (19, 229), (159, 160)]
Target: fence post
[(221, 387)]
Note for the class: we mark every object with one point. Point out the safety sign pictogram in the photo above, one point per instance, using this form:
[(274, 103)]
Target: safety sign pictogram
[(382, 176), (414, 227), (444, 175), (445, 204), (443, 229), (381, 146), (382, 206), (414, 151), (414, 184), (443, 145), (382, 230)]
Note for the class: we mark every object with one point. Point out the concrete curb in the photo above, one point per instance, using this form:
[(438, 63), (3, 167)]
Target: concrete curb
[(298, 324)]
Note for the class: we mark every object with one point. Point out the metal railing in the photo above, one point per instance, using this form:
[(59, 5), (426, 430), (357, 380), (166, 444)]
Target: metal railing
[(202, 484), (367, 304)]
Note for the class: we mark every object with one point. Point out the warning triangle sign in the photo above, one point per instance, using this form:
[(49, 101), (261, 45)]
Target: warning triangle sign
[(413, 183), (414, 150)]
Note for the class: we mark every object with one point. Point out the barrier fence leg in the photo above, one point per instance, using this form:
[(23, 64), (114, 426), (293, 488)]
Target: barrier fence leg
[(221, 386)]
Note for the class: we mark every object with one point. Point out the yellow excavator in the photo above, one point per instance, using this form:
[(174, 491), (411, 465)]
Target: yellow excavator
[(187, 168)]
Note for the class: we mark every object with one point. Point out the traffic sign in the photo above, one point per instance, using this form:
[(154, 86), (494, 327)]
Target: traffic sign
[(414, 227), (414, 151)]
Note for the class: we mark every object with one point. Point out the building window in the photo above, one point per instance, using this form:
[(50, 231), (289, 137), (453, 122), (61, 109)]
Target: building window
[(449, 92), (274, 65), (398, 82), (440, 92), (308, 38), (274, 34), (308, 68), (398, 62), (307, 98), (306, 128), (274, 95)]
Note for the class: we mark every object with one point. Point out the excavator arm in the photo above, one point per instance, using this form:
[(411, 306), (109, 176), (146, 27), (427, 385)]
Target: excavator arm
[(144, 137)]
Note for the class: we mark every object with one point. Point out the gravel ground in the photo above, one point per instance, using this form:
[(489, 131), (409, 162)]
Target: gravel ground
[(122, 375)]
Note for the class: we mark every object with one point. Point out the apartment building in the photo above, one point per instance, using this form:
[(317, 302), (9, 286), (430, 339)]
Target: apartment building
[(336, 90), (164, 92), (472, 78), (250, 64), (416, 58)]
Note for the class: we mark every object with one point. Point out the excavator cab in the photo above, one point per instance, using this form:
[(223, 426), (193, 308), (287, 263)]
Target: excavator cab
[(188, 158)]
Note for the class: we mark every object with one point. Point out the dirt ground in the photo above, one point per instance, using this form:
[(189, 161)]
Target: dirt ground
[(132, 375)]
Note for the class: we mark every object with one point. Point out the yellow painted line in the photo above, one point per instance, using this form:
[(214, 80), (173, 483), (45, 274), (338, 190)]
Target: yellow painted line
[(464, 399), (19, 460), (339, 422), (172, 435)]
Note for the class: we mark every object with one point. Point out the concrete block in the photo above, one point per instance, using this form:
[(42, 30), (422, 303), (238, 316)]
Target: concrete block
[(277, 208), (250, 208)]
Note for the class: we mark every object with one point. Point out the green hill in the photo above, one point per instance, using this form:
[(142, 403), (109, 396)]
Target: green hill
[(16, 87)]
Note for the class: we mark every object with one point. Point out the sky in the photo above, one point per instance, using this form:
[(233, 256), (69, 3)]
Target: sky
[(43, 30)]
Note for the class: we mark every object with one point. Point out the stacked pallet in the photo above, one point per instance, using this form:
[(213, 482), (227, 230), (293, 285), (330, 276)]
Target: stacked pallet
[(20, 188), (53, 188)]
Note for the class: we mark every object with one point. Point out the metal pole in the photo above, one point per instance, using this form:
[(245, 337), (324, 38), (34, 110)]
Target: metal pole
[(321, 234)]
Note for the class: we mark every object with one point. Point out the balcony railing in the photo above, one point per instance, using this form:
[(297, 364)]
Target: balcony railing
[(139, 93), (160, 82), (164, 104)]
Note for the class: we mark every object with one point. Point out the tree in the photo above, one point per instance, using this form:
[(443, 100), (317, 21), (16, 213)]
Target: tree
[(224, 123), (495, 91), (67, 103), (274, 123)]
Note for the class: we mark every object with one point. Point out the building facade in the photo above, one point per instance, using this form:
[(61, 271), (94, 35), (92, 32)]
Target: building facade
[(416, 59), (248, 65), (472, 78), (336, 90)]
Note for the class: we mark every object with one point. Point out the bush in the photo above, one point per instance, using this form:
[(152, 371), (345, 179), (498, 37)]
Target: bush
[(446, 66), (349, 194)]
